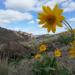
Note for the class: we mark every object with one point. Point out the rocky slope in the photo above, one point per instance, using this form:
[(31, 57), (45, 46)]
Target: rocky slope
[(11, 43)]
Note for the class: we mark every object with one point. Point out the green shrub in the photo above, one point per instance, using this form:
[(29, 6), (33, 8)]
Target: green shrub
[(45, 66), (66, 39), (48, 66)]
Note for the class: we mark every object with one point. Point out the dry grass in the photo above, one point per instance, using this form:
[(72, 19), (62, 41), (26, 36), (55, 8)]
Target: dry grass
[(22, 68), (3, 67)]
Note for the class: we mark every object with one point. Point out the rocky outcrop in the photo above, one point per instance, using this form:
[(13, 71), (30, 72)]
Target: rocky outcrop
[(10, 43), (9, 35), (13, 50)]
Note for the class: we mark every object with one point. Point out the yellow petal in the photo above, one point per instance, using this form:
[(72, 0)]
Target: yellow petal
[(49, 29), (41, 22), (44, 8), (44, 26), (57, 11), (41, 14), (53, 28), (72, 53), (59, 24), (60, 18), (47, 9)]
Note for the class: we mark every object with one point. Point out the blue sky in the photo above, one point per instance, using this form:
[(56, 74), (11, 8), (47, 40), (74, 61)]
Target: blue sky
[(22, 14)]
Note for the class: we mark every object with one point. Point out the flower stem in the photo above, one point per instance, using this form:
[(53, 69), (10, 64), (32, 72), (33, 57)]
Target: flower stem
[(69, 27), (68, 24)]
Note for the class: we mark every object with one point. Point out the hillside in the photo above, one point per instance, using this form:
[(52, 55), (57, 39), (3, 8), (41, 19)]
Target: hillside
[(20, 47), (60, 40), (9, 35), (10, 43), (17, 43)]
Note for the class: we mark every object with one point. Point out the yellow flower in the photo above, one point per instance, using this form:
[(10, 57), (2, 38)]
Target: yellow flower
[(72, 52), (73, 43), (37, 56), (57, 53), (72, 49), (50, 18), (43, 48)]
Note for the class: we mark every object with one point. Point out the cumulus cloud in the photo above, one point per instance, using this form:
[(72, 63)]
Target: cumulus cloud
[(69, 6), (31, 22), (8, 16), (20, 4), (72, 19), (35, 5), (50, 3), (3, 22), (30, 5)]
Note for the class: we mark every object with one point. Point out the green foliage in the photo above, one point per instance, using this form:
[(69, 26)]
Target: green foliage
[(45, 66), (62, 70), (49, 66), (66, 39)]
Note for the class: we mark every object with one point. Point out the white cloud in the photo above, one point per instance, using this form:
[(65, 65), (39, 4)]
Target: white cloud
[(31, 22), (51, 3), (60, 1), (20, 4), (66, 3), (72, 20), (69, 6), (30, 5), (3, 22), (8, 16), (35, 5), (69, 9)]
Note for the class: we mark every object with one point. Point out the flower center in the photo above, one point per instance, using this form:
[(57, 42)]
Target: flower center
[(51, 19)]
